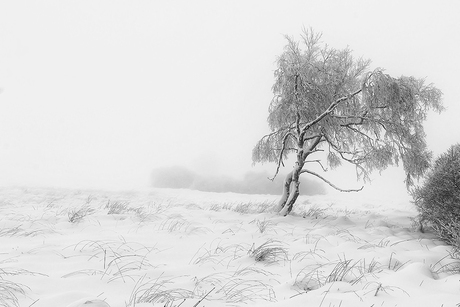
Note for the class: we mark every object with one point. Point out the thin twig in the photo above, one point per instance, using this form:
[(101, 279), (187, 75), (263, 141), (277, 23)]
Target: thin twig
[(280, 159)]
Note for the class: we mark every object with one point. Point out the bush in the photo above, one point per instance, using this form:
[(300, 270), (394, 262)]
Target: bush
[(438, 199)]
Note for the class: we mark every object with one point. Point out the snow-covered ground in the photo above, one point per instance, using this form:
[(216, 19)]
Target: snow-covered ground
[(186, 248)]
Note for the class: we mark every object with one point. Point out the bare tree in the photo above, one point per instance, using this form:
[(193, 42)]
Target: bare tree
[(327, 101)]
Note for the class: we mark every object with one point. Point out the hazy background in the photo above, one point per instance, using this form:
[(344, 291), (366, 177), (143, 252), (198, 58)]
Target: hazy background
[(101, 93)]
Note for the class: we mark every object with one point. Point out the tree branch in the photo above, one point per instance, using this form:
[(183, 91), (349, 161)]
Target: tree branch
[(319, 162), (357, 165), (311, 137), (330, 183), (353, 160), (337, 149), (371, 140), (361, 119), (331, 108), (312, 147), (280, 159), (276, 132)]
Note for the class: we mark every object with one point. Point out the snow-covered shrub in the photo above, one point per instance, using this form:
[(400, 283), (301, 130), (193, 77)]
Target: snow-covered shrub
[(438, 198)]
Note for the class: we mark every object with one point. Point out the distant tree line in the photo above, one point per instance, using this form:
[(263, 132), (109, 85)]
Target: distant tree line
[(179, 177)]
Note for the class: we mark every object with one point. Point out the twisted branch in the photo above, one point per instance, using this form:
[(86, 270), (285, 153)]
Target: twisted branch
[(330, 183)]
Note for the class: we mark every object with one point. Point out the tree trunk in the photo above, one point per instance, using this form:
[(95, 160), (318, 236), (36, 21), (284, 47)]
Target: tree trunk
[(290, 191), (292, 182), (286, 191)]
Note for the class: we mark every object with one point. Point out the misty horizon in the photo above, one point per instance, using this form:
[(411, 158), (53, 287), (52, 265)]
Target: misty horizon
[(253, 182)]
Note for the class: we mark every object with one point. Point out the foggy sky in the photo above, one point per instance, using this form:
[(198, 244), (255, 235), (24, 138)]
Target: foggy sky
[(100, 93)]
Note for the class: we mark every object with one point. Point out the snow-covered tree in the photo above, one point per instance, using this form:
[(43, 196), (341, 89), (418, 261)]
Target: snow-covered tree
[(327, 101)]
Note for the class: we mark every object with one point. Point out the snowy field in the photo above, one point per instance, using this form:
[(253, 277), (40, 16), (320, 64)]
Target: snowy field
[(186, 248)]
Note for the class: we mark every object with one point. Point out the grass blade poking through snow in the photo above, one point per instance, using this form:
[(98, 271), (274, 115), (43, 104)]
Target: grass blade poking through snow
[(271, 251), (346, 270), (120, 259), (8, 293), (77, 215), (234, 288), (156, 292)]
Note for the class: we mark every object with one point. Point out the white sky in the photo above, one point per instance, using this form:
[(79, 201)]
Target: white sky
[(98, 93)]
